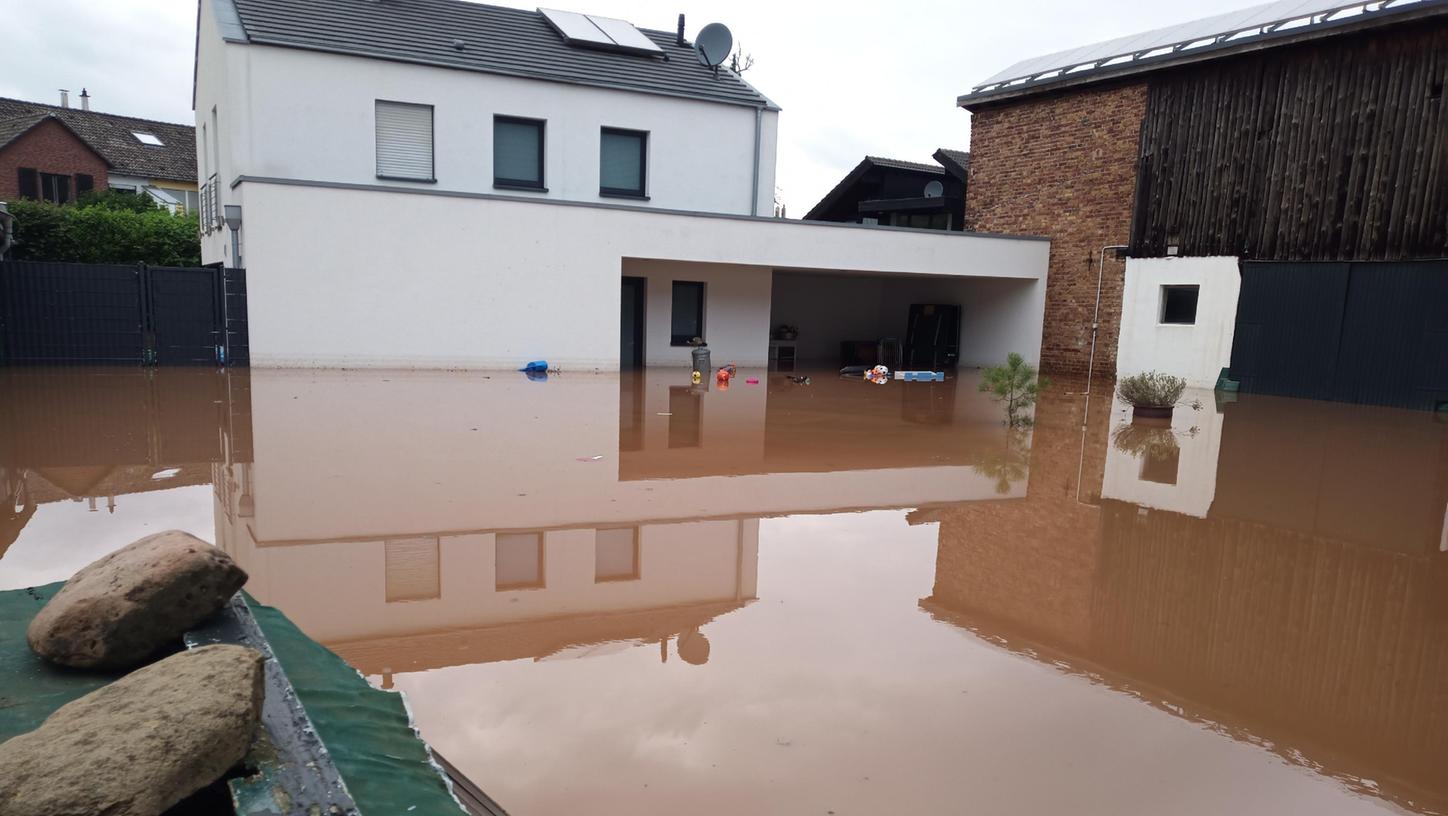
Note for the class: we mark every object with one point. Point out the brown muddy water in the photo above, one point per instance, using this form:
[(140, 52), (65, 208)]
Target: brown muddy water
[(628, 595)]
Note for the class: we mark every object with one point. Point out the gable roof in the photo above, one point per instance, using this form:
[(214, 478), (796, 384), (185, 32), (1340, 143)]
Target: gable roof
[(867, 164), (112, 137), (1281, 22), (955, 162), (490, 39)]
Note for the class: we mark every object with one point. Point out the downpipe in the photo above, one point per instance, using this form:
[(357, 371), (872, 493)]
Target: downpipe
[(1096, 315), (758, 137)]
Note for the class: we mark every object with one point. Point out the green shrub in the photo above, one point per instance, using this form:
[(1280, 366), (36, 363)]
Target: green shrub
[(1151, 390), (108, 227), (1016, 385)]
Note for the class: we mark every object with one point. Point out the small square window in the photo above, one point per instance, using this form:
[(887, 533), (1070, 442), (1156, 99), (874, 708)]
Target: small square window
[(147, 138), (1179, 305), (518, 561), (413, 569), (623, 162), (616, 555), (687, 319), (518, 152)]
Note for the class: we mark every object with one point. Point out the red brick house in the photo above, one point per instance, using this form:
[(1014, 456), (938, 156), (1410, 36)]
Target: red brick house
[(1256, 155), (56, 152)]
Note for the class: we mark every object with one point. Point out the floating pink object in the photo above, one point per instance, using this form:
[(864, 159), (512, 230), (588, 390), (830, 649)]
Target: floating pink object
[(753, 381)]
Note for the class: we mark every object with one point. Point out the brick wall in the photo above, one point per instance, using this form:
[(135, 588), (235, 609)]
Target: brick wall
[(49, 148), (1063, 166)]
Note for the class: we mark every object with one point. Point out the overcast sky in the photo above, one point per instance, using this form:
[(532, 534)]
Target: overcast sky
[(877, 79)]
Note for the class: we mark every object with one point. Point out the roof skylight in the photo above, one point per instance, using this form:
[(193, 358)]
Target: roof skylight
[(147, 138)]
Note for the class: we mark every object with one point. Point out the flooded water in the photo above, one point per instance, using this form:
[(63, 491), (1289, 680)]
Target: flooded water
[(630, 595)]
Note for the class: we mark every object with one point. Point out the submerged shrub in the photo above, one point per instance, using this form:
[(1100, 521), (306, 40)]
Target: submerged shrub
[(1015, 384), (1151, 390)]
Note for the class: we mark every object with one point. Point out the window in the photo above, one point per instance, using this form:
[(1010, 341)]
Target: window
[(147, 138), (1161, 466), (518, 153), (623, 163), (412, 569), (687, 320), (940, 221), (518, 561), (404, 141), (1179, 305), (54, 188), (616, 555)]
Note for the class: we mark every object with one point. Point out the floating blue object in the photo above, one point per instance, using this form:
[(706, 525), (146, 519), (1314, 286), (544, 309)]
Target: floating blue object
[(536, 365), (536, 375), (920, 376)]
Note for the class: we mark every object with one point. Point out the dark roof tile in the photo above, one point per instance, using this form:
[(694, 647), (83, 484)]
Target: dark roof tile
[(496, 40), (112, 137)]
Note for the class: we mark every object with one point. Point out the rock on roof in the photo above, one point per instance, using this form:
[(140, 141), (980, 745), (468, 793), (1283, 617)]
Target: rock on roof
[(112, 137), (497, 40)]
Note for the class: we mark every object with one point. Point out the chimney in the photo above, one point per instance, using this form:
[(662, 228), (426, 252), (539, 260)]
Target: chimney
[(84, 99), (64, 98), (679, 40)]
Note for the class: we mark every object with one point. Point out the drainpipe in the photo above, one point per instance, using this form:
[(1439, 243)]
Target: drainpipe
[(1096, 315), (754, 187)]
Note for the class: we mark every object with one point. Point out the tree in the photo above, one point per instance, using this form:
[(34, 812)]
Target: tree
[(105, 227), (1016, 385)]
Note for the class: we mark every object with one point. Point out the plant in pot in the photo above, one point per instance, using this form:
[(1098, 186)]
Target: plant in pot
[(1152, 395)]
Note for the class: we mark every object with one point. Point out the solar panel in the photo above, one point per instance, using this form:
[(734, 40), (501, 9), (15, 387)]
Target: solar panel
[(575, 27), (1254, 21), (624, 34), (599, 32)]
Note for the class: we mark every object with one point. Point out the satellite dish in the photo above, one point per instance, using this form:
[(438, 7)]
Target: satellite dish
[(713, 44), (934, 189)]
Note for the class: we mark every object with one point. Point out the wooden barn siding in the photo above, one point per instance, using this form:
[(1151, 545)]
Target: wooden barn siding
[(1336, 151), (1299, 636)]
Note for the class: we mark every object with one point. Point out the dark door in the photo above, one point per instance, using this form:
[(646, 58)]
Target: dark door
[(631, 324), (186, 315)]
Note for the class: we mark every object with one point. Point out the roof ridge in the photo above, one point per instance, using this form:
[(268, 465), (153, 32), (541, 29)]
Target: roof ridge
[(85, 112)]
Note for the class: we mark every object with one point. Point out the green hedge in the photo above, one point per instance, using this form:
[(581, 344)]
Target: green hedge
[(105, 227)]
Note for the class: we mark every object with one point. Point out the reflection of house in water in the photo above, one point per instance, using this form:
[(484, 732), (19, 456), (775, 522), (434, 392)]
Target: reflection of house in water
[(86, 434), (447, 518), (1306, 609)]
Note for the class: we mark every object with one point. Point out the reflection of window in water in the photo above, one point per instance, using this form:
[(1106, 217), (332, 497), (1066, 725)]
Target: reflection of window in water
[(616, 555), (686, 420), (518, 561), (631, 414), (413, 569), (1160, 466)]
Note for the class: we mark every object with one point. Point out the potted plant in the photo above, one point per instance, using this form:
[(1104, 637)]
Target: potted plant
[(1152, 395)]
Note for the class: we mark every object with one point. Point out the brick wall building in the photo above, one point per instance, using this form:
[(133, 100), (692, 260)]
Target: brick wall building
[(40, 157), (1063, 165)]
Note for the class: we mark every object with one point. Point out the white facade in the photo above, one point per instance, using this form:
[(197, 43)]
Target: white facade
[(1183, 481), (346, 269), (1196, 352)]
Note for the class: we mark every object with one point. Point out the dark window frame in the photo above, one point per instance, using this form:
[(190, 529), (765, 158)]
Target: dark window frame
[(622, 192), (1167, 310), (522, 184), (57, 183), (675, 339)]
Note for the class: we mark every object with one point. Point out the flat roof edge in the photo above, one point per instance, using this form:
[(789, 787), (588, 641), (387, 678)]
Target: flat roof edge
[(602, 205)]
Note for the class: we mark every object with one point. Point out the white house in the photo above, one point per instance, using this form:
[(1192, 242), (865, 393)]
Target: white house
[(440, 183)]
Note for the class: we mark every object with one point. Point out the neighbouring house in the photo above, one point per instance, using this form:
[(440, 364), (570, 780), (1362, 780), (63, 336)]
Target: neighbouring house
[(57, 152), (890, 192), (1275, 178), (436, 183)]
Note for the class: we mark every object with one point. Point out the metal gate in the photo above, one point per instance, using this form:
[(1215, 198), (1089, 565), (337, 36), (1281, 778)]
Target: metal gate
[(72, 314), (1364, 332)]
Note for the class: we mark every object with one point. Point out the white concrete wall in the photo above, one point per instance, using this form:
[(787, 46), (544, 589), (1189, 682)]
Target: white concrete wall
[(354, 278), (222, 83), (1198, 435), (735, 326), (1198, 352)]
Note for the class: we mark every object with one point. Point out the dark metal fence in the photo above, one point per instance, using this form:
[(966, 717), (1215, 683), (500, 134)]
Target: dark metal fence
[(1374, 333), (120, 314)]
